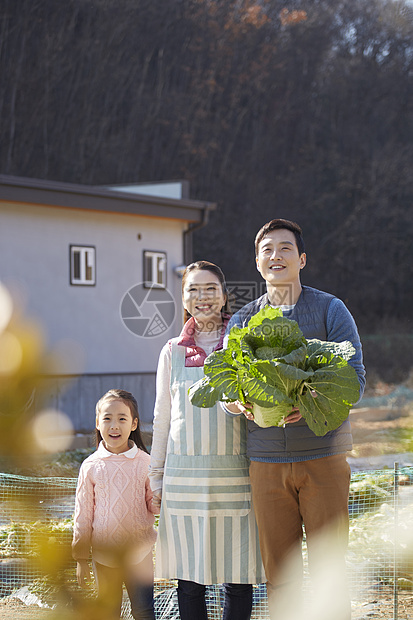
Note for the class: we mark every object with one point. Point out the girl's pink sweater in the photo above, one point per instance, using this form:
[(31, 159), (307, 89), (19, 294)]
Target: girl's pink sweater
[(113, 508)]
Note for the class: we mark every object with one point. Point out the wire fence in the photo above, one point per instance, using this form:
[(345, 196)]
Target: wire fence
[(36, 512)]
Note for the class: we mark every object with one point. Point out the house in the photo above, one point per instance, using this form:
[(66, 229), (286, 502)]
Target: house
[(100, 268)]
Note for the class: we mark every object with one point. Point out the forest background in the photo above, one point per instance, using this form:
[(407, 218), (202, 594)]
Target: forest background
[(270, 108)]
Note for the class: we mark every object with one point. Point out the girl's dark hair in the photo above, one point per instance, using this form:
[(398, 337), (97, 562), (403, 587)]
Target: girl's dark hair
[(130, 401), (204, 265)]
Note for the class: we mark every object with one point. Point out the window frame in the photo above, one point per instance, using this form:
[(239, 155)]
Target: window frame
[(82, 280), (148, 279)]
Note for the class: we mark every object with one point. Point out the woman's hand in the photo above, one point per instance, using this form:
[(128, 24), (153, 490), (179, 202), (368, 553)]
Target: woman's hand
[(239, 407), (156, 502)]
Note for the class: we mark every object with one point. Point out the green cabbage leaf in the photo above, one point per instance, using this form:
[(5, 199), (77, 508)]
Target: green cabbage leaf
[(270, 364)]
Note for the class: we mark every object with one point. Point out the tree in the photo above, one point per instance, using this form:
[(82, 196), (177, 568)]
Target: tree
[(299, 110)]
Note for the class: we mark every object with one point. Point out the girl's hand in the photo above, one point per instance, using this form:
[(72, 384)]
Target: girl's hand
[(294, 416), (148, 496), (83, 573)]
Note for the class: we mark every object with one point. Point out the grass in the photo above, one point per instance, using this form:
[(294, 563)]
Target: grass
[(58, 465)]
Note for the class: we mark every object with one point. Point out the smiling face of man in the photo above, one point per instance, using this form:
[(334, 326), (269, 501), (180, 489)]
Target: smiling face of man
[(279, 261)]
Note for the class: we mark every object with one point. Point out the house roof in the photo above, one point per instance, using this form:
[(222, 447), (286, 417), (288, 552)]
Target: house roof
[(54, 193)]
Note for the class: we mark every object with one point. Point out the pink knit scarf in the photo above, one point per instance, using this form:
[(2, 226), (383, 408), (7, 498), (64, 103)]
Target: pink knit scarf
[(194, 355)]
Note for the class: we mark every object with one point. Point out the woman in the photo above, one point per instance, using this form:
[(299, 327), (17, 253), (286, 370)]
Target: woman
[(199, 469)]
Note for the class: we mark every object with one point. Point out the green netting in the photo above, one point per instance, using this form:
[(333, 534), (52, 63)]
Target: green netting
[(36, 515)]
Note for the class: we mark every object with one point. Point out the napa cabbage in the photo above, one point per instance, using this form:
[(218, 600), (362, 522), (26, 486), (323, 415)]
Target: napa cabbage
[(272, 365)]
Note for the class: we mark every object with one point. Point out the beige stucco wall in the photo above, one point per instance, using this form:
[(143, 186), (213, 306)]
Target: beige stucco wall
[(34, 260)]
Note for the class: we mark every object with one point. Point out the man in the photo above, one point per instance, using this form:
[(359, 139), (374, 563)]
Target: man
[(297, 478)]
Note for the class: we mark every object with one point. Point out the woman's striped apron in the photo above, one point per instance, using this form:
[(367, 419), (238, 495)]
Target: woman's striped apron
[(207, 531)]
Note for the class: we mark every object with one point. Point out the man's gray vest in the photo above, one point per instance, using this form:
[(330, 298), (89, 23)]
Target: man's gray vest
[(296, 441)]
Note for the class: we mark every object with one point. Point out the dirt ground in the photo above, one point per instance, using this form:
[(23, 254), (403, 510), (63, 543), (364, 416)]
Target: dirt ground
[(377, 432), (382, 608), (376, 609), (14, 609)]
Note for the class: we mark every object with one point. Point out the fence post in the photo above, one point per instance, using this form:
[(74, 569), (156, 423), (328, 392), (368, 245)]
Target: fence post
[(395, 559)]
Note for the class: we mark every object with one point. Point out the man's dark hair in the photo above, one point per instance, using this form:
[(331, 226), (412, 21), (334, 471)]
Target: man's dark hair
[(281, 224)]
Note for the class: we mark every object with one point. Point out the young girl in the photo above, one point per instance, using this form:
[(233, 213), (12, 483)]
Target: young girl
[(113, 511), (199, 469)]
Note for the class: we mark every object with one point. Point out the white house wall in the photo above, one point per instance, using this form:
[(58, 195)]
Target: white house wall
[(34, 256)]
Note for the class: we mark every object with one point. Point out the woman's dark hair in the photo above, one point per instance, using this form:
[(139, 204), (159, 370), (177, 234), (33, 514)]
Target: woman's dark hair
[(204, 265), (130, 401), (281, 224)]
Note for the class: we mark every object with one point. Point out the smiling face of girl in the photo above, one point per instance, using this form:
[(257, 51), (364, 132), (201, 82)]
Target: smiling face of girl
[(204, 298), (115, 423)]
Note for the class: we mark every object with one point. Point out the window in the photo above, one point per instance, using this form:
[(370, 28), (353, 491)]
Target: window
[(82, 265), (154, 269)]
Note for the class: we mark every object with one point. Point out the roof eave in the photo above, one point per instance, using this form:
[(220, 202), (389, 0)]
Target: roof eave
[(57, 194)]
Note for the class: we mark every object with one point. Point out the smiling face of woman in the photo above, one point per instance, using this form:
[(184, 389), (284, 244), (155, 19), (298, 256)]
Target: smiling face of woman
[(204, 298)]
